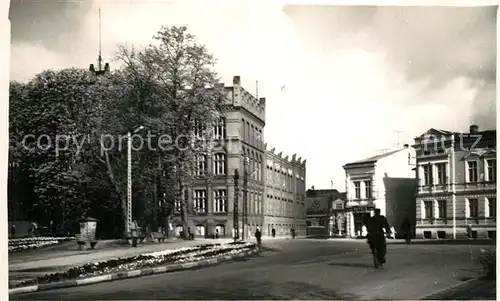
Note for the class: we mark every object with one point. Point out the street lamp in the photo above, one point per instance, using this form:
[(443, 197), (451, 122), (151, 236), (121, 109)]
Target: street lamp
[(128, 218), (235, 205), (245, 194)]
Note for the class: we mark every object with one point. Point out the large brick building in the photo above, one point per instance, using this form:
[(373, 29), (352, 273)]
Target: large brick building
[(456, 175), (284, 194), (211, 197)]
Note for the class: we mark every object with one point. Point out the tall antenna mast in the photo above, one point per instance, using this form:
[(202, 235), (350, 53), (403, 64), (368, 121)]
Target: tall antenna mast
[(257, 89), (100, 70), (99, 59)]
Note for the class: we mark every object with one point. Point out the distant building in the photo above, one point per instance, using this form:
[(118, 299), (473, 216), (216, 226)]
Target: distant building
[(285, 190), (386, 182), (325, 212), (211, 197), (457, 189)]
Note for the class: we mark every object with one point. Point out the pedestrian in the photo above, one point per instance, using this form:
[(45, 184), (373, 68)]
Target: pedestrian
[(258, 236), (13, 231), (216, 233), (273, 232), (406, 227), (293, 233), (469, 232)]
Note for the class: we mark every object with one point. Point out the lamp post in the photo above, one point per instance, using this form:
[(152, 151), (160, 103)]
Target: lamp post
[(128, 218), (235, 205), (245, 197)]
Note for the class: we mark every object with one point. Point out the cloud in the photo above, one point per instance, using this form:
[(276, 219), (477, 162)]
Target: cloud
[(353, 75)]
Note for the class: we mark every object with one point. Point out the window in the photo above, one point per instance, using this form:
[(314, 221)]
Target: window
[(472, 171), (357, 190), (442, 209), (368, 189), (199, 230), (220, 200), (492, 207), (177, 206), (429, 214), (201, 165), (428, 174), (441, 173), (243, 129), (220, 129), (473, 207), (247, 135), (200, 201), (220, 164), (338, 206), (491, 170), (199, 129), (252, 134)]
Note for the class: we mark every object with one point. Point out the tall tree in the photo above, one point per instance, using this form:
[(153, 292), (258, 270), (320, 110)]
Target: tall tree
[(181, 73)]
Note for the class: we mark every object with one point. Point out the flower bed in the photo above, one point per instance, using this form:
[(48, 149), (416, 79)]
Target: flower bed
[(22, 244), (182, 255)]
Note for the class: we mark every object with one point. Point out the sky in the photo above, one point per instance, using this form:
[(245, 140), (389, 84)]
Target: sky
[(358, 79)]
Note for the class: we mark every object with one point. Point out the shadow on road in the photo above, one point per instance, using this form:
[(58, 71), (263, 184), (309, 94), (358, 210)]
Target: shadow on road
[(445, 242), (228, 290), (354, 265)]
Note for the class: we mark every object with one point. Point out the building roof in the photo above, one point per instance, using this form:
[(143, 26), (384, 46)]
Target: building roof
[(372, 159)]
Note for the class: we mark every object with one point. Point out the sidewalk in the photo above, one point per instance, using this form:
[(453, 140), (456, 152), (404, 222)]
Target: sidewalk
[(21, 269)]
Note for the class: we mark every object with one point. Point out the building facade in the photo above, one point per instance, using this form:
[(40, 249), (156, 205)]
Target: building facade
[(239, 145), (456, 175), (325, 212), (285, 190), (386, 182)]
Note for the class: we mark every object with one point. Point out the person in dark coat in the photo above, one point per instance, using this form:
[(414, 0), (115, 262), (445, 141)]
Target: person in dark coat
[(273, 233), (258, 236), (406, 227)]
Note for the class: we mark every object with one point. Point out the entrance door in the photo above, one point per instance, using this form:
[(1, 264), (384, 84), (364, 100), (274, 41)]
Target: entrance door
[(360, 219)]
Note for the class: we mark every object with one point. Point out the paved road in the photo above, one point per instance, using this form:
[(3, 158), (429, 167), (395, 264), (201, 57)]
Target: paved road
[(300, 269)]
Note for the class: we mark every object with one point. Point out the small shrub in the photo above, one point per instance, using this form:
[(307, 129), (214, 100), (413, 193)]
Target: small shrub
[(488, 258)]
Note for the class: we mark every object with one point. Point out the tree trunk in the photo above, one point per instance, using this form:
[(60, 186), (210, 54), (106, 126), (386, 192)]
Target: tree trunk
[(118, 191), (183, 212)]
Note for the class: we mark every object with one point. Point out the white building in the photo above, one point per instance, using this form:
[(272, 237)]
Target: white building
[(386, 182)]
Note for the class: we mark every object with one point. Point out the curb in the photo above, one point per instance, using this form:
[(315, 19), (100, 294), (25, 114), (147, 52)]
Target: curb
[(436, 295), (129, 274)]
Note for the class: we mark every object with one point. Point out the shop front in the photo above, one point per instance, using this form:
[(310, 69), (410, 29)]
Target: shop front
[(358, 216)]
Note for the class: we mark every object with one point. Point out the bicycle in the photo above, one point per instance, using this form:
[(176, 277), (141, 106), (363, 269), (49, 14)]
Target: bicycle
[(378, 244)]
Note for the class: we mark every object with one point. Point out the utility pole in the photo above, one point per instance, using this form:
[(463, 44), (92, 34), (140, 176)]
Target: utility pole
[(398, 133), (235, 205)]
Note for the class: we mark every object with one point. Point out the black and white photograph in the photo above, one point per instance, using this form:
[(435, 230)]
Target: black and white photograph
[(251, 150)]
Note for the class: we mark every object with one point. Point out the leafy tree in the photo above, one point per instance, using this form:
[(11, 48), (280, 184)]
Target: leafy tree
[(178, 74)]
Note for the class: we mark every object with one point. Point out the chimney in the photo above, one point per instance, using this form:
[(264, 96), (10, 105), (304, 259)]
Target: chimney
[(262, 101), (406, 146), (236, 80), (473, 129)]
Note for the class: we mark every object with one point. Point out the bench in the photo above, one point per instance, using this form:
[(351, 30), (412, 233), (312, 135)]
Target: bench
[(83, 239), (158, 236)]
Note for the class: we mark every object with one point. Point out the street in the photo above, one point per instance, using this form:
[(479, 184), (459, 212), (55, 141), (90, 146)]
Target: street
[(298, 269)]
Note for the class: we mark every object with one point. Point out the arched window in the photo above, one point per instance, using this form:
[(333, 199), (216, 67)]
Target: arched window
[(247, 134), (243, 131)]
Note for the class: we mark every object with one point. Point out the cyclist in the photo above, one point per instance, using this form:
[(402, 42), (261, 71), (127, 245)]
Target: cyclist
[(376, 236)]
